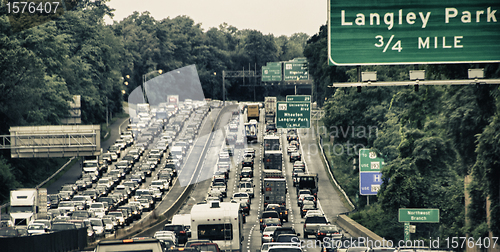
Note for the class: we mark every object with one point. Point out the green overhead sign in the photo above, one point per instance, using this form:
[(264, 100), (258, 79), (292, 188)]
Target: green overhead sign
[(419, 215), (271, 72), (367, 32), (295, 70), (298, 98), (292, 115)]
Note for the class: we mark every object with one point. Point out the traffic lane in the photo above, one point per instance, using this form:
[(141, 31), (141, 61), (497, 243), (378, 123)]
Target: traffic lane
[(74, 173), (328, 196)]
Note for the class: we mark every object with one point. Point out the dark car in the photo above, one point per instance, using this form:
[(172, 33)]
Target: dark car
[(332, 232), (295, 156), (247, 162), (283, 230), (287, 238), (180, 232), (271, 127), (206, 247)]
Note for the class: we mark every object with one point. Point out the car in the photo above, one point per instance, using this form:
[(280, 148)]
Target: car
[(233, 127), (247, 187), (133, 244), (224, 156), (239, 144), (241, 197), (291, 149), (246, 172), (268, 215), (305, 209), (295, 156), (247, 162), (281, 247), (313, 223), (60, 226), (37, 228), (283, 230), (97, 226), (267, 234), (251, 151), (207, 246), (308, 198), (282, 211), (180, 232), (332, 232), (270, 222), (287, 238), (229, 150), (231, 138), (271, 127)]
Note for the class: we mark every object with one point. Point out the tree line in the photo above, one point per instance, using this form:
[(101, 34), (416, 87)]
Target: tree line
[(431, 140), (43, 63)]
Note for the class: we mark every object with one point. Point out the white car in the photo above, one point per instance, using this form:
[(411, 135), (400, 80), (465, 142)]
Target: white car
[(36, 228), (97, 226), (241, 197)]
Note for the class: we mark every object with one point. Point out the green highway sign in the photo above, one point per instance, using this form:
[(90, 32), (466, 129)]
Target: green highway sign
[(295, 70), (419, 215), (271, 72), (369, 162), (292, 115), (367, 32), (298, 98)]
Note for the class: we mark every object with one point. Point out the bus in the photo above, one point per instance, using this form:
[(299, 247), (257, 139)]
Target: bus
[(221, 222)]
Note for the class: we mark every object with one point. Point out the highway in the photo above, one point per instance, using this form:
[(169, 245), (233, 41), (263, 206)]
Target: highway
[(203, 154)]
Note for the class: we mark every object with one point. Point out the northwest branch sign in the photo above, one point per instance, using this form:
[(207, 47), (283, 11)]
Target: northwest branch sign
[(368, 32), (419, 215)]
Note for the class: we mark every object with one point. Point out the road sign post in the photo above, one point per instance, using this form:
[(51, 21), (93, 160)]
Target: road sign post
[(413, 32), (407, 231)]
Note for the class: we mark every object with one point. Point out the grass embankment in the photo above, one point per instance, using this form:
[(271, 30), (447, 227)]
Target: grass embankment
[(341, 168)]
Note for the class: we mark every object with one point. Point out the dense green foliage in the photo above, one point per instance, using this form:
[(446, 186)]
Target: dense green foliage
[(43, 66), (430, 139)]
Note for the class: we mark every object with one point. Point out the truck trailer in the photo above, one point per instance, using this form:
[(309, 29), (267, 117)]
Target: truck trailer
[(270, 108), (27, 205)]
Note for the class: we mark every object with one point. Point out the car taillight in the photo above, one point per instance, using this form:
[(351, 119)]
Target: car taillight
[(266, 235), (182, 232), (321, 233)]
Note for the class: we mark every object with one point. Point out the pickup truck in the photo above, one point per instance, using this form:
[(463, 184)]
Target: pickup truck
[(312, 223)]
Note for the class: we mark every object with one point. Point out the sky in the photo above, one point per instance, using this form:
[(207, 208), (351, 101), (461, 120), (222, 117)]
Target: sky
[(277, 17)]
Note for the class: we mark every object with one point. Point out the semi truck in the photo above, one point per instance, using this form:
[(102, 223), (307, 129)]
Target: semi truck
[(270, 108), (274, 187), (253, 112), (273, 156), (27, 205)]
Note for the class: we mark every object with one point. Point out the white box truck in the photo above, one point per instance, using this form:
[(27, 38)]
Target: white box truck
[(27, 205)]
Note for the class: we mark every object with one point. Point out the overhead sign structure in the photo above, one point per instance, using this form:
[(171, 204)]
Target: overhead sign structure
[(298, 98), (271, 72), (295, 70), (292, 115), (367, 32), (370, 175), (423, 215)]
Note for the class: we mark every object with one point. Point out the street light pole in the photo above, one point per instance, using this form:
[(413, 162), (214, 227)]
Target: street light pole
[(223, 88), (144, 82)]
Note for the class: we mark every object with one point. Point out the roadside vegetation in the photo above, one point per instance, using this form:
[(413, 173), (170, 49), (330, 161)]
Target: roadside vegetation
[(430, 139)]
